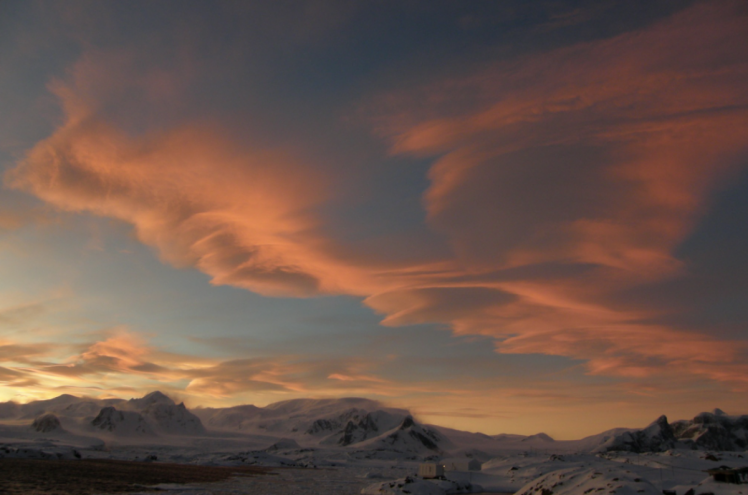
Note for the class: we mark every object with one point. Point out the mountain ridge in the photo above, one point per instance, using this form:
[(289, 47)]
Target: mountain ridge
[(354, 423)]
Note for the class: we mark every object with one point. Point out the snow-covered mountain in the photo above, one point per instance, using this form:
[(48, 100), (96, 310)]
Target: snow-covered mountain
[(711, 431), (63, 406), (541, 437), (408, 437), (46, 423), (355, 425), (349, 422), (165, 415), (122, 423), (657, 437), (237, 418), (714, 431), (315, 418), (9, 410), (149, 416)]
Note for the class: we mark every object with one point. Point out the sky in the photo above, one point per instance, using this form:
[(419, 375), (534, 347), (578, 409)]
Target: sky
[(506, 216)]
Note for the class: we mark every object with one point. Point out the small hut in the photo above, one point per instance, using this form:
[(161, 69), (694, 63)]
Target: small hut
[(427, 470), (461, 464), (726, 474)]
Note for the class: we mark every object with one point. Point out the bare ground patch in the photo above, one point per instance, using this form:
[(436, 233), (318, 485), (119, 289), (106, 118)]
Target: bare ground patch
[(88, 476)]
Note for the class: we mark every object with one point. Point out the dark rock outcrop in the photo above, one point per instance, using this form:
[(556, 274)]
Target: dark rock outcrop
[(708, 431), (713, 431), (125, 423), (166, 416), (657, 437), (46, 423), (410, 436), (338, 423), (357, 431)]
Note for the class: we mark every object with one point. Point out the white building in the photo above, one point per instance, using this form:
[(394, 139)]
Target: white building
[(461, 464), (428, 470)]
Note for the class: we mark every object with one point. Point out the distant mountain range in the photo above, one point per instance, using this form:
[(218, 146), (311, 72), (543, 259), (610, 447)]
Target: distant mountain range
[(354, 424), (151, 415), (332, 423)]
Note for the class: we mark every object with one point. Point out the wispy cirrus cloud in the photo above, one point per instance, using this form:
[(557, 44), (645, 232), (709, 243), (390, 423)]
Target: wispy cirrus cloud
[(559, 180), (595, 160), (237, 214)]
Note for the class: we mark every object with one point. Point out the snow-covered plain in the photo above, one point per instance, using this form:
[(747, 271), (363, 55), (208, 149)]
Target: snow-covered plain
[(347, 446)]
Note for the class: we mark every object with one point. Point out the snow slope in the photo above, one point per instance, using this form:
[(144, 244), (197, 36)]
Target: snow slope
[(589, 480), (408, 437), (331, 423), (316, 418)]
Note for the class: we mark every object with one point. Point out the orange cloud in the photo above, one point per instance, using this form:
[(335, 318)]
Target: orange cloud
[(602, 152), (240, 214), (234, 224), (569, 177), (595, 160)]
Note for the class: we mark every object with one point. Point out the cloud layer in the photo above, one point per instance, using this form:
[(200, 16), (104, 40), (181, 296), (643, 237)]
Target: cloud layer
[(571, 176), (559, 180), (201, 199)]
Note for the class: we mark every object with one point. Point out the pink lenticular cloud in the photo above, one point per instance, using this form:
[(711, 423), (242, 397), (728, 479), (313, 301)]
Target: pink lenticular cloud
[(600, 153), (567, 178), (238, 214), (599, 156)]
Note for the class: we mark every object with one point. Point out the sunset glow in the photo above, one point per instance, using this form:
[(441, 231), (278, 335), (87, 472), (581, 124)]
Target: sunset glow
[(504, 217)]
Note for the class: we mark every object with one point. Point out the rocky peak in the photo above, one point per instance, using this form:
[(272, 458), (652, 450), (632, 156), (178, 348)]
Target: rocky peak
[(359, 429), (407, 422), (151, 399), (46, 423), (121, 422)]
